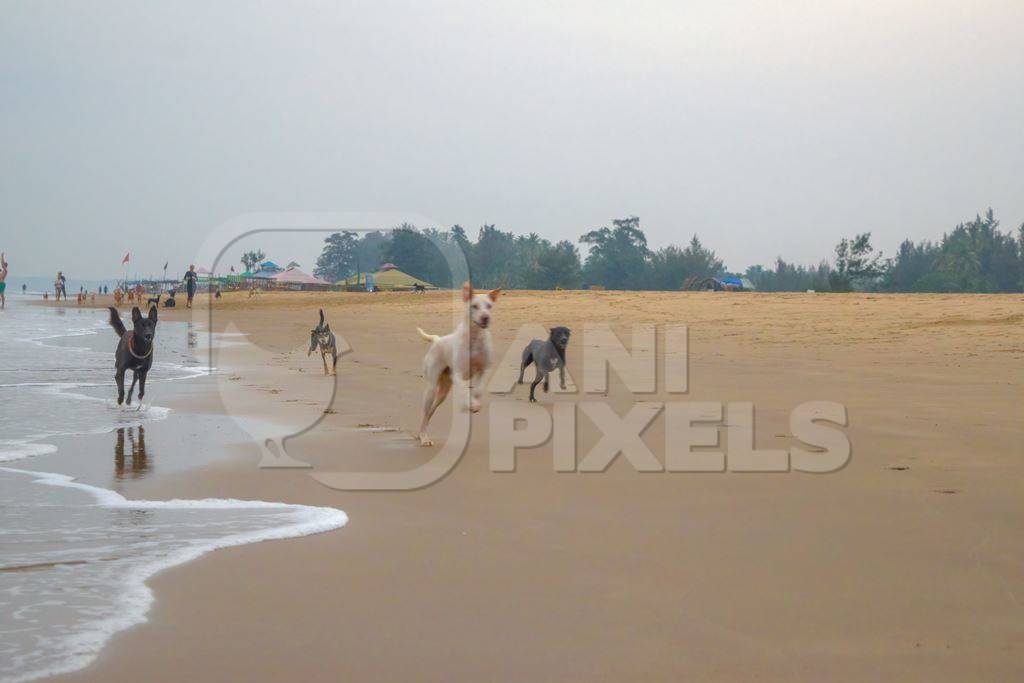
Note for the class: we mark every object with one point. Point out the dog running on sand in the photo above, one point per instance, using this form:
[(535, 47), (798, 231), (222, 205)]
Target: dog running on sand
[(322, 337), (461, 358), (546, 355)]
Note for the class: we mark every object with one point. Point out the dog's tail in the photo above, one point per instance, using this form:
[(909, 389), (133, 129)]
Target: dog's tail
[(115, 321), (429, 337)]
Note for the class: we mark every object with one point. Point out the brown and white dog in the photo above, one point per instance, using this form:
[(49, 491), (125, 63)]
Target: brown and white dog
[(462, 358)]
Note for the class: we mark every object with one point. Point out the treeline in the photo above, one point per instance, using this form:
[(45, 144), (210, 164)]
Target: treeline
[(974, 257), (495, 259)]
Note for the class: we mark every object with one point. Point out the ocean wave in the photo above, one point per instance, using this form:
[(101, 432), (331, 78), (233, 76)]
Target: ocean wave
[(132, 596)]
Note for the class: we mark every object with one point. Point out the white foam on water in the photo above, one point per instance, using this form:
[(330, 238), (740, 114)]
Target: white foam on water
[(75, 558), (100, 584), (16, 450)]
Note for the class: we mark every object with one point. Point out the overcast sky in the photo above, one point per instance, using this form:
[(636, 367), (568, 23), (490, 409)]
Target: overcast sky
[(765, 127)]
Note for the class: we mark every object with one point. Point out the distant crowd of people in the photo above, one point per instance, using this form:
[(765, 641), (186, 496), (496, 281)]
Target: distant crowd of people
[(121, 292)]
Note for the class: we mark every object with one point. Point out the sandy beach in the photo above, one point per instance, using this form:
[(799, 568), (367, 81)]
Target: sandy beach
[(903, 565), (785, 442)]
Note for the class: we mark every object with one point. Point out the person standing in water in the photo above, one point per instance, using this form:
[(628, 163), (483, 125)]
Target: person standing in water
[(191, 280), (3, 281)]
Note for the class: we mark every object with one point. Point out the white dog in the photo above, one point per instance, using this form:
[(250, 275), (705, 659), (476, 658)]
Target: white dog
[(461, 358)]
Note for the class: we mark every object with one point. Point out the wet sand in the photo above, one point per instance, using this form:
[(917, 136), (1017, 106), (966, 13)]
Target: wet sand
[(904, 565)]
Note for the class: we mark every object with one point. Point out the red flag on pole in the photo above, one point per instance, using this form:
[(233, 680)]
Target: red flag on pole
[(125, 259)]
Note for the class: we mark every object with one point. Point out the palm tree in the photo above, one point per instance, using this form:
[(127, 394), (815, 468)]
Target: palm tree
[(252, 258)]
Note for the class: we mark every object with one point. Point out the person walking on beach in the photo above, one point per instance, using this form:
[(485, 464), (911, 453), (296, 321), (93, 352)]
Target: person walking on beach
[(191, 280), (3, 281), (59, 286)]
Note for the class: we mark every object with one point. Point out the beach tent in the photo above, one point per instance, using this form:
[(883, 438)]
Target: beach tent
[(293, 278), (264, 271), (389, 279), (717, 284), (737, 282), (269, 267)]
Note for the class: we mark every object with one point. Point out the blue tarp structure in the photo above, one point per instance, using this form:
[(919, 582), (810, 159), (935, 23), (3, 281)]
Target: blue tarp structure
[(741, 282)]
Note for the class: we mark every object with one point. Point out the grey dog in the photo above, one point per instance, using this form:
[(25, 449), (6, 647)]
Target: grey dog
[(546, 355), (322, 337)]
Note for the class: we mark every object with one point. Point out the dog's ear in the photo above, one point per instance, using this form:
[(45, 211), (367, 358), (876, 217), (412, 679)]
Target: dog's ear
[(136, 314), (467, 291), (312, 342), (152, 314), (493, 294)]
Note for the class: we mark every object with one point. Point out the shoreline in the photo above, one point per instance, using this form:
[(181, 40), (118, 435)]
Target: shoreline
[(74, 461), (137, 598), (619, 575)]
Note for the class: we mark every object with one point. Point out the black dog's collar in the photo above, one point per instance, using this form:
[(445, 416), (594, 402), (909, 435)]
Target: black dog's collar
[(130, 336)]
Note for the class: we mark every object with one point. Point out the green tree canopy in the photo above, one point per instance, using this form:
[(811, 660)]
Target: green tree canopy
[(339, 258), (618, 256), (252, 258)]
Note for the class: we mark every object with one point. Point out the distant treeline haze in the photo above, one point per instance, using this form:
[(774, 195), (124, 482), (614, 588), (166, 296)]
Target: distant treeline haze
[(974, 257)]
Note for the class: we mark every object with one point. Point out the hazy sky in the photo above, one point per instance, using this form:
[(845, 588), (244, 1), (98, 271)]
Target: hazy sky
[(765, 127)]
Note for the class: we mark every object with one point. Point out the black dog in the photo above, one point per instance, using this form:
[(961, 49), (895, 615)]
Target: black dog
[(155, 301), (134, 351), (546, 355)]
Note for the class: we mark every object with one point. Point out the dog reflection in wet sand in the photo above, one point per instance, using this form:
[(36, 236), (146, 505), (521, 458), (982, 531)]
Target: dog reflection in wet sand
[(134, 462)]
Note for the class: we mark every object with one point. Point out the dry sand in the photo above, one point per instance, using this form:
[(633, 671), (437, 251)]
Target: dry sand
[(905, 565)]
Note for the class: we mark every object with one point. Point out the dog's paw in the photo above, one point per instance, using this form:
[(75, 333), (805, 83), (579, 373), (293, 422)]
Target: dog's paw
[(474, 406), (425, 441), (533, 400)]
